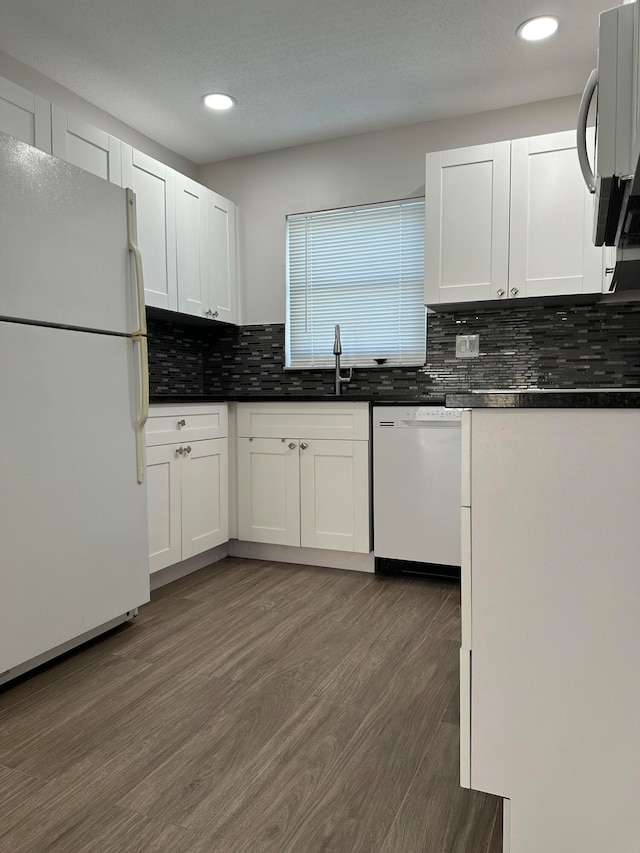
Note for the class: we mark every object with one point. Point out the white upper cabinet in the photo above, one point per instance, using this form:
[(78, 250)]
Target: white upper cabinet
[(86, 146), (154, 186), (552, 250), (206, 252), (191, 247), (467, 224), (507, 221), (25, 115), (222, 257), (186, 232)]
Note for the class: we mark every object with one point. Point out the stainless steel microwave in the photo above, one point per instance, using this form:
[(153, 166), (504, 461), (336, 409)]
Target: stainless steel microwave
[(614, 179)]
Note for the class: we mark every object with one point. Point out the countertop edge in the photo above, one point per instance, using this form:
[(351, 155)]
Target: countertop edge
[(578, 399)]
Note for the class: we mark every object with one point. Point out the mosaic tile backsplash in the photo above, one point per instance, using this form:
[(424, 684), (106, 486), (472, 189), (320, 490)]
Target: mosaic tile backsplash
[(568, 346)]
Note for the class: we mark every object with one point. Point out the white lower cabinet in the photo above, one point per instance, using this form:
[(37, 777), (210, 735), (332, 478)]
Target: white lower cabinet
[(334, 495), (164, 498), (311, 492), (205, 486), (187, 482), (549, 682), (269, 491)]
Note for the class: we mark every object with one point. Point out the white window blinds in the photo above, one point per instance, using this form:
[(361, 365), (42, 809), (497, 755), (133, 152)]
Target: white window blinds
[(363, 268)]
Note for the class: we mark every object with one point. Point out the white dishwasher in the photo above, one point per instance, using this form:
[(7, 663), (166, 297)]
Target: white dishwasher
[(416, 490)]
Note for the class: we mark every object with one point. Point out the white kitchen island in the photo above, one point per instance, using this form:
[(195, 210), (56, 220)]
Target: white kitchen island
[(550, 669)]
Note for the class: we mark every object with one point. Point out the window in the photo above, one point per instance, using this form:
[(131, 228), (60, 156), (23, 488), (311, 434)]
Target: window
[(361, 267)]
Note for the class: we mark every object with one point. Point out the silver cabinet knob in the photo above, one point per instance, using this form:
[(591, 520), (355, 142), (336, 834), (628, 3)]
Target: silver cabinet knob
[(291, 446), (207, 313), (187, 449), (182, 423), (303, 446), (214, 314), (180, 450), (514, 291), (500, 292)]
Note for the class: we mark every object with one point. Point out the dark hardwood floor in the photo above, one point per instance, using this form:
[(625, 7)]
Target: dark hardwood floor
[(251, 707)]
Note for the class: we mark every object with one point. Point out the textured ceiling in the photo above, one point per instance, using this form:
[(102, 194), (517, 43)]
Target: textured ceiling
[(301, 70)]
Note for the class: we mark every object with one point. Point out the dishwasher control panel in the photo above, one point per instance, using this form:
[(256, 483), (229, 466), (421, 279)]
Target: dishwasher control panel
[(407, 416)]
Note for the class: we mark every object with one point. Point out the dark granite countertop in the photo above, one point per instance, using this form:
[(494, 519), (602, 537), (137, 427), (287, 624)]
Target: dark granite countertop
[(547, 398), (426, 400)]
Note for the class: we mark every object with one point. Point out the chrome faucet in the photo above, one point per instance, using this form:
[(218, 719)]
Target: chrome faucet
[(337, 351)]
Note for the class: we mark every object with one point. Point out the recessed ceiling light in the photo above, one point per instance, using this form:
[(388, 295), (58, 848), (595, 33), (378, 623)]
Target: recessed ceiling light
[(218, 101), (537, 28)]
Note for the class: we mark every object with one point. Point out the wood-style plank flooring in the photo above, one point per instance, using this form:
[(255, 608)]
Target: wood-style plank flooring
[(251, 707)]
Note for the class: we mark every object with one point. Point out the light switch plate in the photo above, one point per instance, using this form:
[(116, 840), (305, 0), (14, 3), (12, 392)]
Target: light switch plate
[(467, 346)]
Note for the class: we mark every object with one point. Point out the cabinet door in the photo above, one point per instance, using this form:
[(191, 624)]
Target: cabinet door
[(334, 495), (551, 248), (154, 186), (222, 257), (191, 246), (205, 503), (467, 224), (25, 115), (164, 506), (269, 491), (86, 146)]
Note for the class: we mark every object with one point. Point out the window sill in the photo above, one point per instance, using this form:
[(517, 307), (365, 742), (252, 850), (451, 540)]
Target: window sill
[(343, 366)]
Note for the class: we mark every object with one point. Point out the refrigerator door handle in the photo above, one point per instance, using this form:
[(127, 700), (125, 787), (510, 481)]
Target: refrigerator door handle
[(141, 341), (139, 337), (137, 257)]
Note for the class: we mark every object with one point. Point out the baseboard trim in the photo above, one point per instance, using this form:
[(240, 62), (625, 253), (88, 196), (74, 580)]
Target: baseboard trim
[(305, 556), (186, 567)]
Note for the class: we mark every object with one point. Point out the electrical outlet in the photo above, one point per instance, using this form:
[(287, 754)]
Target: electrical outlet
[(467, 346)]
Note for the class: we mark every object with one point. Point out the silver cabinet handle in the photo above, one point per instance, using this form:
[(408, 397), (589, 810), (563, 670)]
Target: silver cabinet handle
[(187, 449), (514, 291), (609, 270), (180, 450), (292, 446), (500, 292), (182, 423), (303, 446)]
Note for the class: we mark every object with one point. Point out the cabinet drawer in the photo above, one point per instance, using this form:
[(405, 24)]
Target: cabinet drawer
[(174, 424), (304, 420)]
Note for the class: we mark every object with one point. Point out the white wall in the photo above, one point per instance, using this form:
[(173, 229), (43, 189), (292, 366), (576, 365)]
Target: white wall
[(35, 82), (370, 167)]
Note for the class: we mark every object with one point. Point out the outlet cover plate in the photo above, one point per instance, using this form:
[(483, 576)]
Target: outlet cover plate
[(467, 346)]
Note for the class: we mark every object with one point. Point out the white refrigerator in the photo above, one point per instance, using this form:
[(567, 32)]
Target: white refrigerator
[(73, 401)]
